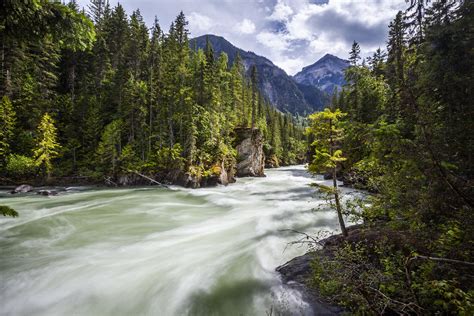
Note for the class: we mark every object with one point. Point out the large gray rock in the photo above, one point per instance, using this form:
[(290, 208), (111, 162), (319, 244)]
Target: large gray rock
[(250, 156), (24, 188)]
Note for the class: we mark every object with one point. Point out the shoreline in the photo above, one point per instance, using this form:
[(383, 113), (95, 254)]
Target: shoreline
[(297, 272)]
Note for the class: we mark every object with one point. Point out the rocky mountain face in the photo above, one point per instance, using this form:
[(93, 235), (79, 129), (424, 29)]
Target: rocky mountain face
[(280, 88), (326, 74)]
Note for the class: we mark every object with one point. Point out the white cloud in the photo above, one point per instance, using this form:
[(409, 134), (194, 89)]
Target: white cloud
[(281, 12), (276, 42), (291, 33), (246, 27), (199, 21)]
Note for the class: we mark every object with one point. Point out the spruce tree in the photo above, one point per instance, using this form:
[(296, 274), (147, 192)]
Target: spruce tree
[(47, 146), (7, 125), (354, 55)]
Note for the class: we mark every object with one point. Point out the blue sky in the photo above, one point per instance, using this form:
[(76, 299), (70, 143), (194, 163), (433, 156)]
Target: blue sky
[(291, 33)]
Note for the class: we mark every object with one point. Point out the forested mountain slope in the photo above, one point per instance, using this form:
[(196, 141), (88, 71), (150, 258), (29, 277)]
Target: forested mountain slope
[(280, 88)]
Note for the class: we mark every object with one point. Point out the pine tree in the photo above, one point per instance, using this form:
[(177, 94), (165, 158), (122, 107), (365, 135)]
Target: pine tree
[(110, 146), (253, 78), (47, 146), (7, 125), (354, 55), (97, 10)]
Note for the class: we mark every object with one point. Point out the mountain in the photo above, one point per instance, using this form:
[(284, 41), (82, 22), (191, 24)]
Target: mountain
[(325, 74), (280, 88)]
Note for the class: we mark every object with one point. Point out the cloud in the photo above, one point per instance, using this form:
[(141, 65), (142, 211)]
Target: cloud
[(200, 21), (281, 12), (291, 33), (246, 27), (340, 27)]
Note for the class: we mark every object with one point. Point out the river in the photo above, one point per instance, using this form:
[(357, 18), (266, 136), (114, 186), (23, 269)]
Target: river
[(157, 251)]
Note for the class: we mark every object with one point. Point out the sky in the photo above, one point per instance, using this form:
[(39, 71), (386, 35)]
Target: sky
[(291, 33)]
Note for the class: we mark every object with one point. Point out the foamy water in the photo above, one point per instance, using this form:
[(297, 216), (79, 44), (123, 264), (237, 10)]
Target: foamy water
[(155, 251)]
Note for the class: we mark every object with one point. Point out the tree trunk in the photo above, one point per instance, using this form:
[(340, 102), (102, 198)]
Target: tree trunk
[(334, 182), (338, 203)]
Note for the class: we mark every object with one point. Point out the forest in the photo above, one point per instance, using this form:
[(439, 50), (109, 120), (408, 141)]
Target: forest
[(402, 128), (93, 96)]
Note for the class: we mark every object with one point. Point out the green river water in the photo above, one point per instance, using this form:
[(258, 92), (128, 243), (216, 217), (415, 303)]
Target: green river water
[(157, 251)]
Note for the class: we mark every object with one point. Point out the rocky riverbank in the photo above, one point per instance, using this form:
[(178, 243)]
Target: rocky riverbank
[(250, 162), (297, 273)]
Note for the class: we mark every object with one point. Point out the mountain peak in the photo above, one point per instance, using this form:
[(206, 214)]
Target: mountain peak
[(326, 74)]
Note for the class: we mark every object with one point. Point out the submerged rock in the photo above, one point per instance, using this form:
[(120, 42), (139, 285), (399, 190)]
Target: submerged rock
[(24, 188), (250, 156), (47, 192)]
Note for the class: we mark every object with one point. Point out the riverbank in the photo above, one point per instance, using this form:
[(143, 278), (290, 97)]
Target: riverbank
[(298, 272), (378, 269)]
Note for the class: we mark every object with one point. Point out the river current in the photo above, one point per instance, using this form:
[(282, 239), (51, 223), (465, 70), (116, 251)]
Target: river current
[(158, 251)]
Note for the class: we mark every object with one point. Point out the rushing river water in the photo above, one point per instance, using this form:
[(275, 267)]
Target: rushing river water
[(156, 251)]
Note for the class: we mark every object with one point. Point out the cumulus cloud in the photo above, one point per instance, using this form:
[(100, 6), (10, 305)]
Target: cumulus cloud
[(246, 27), (291, 33), (281, 12), (200, 21)]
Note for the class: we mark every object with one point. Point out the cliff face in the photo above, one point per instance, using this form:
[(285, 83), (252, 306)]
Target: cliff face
[(250, 156)]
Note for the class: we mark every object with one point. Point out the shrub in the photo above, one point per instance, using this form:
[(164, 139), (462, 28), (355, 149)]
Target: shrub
[(20, 166)]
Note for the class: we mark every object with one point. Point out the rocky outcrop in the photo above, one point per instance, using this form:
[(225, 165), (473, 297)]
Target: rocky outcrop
[(296, 274), (272, 162), (250, 156)]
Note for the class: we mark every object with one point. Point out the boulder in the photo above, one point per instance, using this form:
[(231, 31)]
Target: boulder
[(47, 192), (24, 188), (189, 180), (250, 156)]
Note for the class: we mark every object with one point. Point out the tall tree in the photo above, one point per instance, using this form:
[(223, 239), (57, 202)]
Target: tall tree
[(354, 55), (253, 78), (7, 123), (327, 133), (47, 147)]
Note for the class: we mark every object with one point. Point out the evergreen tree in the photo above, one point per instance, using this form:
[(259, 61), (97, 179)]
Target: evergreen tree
[(253, 79), (47, 147), (354, 55), (327, 132), (7, 123)]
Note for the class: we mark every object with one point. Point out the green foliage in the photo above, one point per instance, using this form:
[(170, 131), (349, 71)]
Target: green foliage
[(327, 132), (19, 166), (47, 146), (170, 158), (109, 149), (8, 211), (7, 123), (407, 138), (125, 93)]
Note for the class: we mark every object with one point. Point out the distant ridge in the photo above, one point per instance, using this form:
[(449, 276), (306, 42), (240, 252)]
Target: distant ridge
[(280, 88)]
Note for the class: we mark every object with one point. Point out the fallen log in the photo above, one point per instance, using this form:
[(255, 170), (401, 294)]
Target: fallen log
[(148, 178)]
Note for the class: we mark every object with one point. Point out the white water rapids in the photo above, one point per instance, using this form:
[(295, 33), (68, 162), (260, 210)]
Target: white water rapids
[(156, 251)]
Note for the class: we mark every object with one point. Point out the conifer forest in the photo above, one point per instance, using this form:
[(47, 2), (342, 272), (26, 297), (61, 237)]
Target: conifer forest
[(146, 170)]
